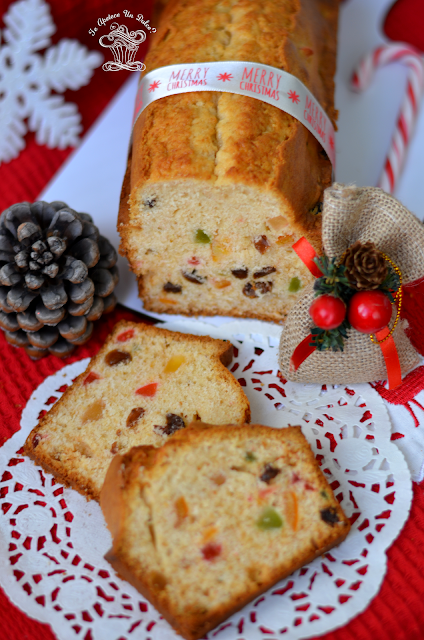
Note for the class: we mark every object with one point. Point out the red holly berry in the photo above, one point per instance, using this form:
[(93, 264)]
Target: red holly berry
[(369, 311), (327, 312)]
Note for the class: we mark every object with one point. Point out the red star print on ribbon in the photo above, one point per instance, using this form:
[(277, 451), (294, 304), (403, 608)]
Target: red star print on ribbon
[(293, 96), (154, 85), (224, 76)]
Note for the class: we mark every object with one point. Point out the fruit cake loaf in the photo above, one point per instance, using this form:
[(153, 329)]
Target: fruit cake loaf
[(220, 185), (217, 516), (144, 384)]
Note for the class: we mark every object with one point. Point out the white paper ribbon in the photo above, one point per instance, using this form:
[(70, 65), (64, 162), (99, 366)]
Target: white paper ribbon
[(260, 81)]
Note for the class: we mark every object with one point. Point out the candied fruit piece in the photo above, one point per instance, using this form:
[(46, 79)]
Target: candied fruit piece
[(261, 243), (167, 301), (220, 250), (277, 224), (92, 376), (202, 237), (209, 534), (173, 424), (134, 416), (194, 261), (36, 440), (193, 276), (116, 357), (94, 411), (181, 509), (149, 390), (287, 239), (174, 363), (329, 516), (241, 274), (295, 285), (114, 448), (250, 456), (221, 284), (211, 551), (292, 509), (269, 519), (265, 271), (125, 335), (83, 448), (317, 209), (218, 478), (269, 473), (158, 581), (172, 288)]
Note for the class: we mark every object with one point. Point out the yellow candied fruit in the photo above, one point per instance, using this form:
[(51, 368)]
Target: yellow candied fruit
[(209, 534), (277, 224), (220, 249), (94, 411), (174, 363), (287, 239), (220, 284)]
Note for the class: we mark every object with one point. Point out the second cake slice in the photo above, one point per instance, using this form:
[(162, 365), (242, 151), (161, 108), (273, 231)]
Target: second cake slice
[(143, 385)]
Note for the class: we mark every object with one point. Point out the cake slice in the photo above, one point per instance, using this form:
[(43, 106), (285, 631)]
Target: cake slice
[(143, 385), (215, 517)]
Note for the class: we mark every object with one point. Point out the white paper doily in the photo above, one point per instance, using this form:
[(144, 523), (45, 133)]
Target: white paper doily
[(52, 541)]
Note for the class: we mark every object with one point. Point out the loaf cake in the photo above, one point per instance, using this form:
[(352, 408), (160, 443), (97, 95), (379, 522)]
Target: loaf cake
[(215, 517), (219, 186), (143, 385)]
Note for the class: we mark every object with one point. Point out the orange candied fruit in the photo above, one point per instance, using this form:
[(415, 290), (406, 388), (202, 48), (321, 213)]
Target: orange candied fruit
[(287, 239), (148, 391), (174, 363), (92, 376), (221, 284), (167, 301), (125, 335)]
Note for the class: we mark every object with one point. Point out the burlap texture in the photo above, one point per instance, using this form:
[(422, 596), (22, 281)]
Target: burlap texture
[(349, 214)]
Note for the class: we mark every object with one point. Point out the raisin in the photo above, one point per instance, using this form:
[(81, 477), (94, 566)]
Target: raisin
[(261, 243), (117, 357), (269, 473), (135, 415), (36, 440), (173, 424), (172, 288), (329, 516), (317, 209), (264, 272), (241, 274), (263, 287), (249, 290), (150, 202), (211, 551), (193, 277), (114, 448)]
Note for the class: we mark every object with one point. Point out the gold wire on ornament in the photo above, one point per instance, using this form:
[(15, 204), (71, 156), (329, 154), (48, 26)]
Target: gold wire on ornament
[(398, 299)]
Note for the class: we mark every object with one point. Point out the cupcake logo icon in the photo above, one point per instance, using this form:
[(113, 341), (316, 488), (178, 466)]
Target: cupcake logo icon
[(124, 45)]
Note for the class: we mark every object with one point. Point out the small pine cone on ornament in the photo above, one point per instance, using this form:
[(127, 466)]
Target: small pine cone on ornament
[(57, 276), (365, 265)]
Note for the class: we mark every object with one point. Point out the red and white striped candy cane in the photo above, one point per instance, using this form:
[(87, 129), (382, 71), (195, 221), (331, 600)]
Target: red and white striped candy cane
[(361, 79)]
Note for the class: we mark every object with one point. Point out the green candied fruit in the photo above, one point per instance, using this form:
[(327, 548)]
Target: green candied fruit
[(269, 519), (324, 494), (250, 456), (202, 237), (295, 285)]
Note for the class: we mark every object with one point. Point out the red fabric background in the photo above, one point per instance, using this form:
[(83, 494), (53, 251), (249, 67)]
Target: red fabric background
[(397, 613)]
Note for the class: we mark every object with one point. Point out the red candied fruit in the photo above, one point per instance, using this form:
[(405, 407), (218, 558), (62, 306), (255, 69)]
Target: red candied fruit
[(125, 335), (194, 261), (211, 551), (149, 390), (92, 376)]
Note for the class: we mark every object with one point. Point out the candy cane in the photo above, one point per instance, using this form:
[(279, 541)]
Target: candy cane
[(401, 138)]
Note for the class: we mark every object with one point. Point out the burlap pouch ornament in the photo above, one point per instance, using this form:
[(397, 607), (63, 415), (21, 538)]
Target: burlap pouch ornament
[(352, 214)]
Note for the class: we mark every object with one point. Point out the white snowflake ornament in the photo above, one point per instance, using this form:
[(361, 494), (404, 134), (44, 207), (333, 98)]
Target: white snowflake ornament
[(28, 78)]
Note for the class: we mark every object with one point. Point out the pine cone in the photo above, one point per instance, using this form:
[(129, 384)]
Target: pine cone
[(57, 275), (365, 266)]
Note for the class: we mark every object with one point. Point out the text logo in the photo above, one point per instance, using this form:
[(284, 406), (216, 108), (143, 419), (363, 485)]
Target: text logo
[(124, 45)]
